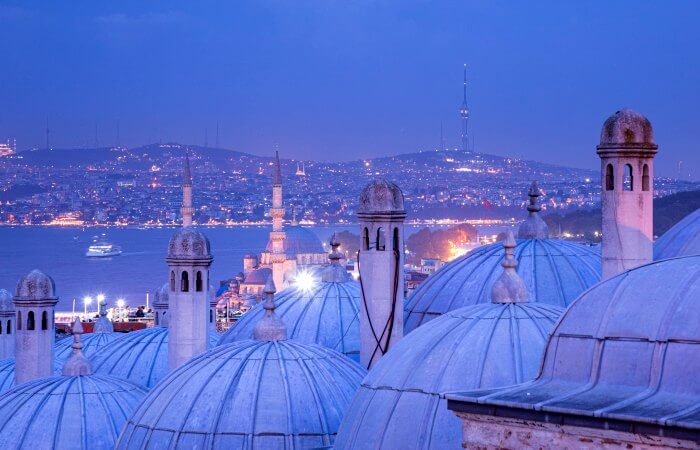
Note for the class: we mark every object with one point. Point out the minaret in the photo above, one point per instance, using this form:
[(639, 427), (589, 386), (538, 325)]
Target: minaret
[(189, 259), (35, 300), (186, 210), (270, 327), (381, 214), (277, 235), (77, 364), (627, 151), (103, 324), (160, 307), (533, 227), (7, 325), (464, 114)]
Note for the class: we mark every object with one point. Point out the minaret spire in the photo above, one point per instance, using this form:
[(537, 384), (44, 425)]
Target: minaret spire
[(464, 114), (277, 235), (186, 209)]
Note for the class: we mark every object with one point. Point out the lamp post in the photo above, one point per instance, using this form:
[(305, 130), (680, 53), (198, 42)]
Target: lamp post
[(86, 301), (120, 305)]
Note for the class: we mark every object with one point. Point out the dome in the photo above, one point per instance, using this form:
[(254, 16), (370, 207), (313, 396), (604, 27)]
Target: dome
[(188, 243), (92, 342), (554, 271), (162, 296), (683, 239), (298, 240), (35, 286), (628, 349), (6, 304), (248, 394), (400, 403), (71, 412), (327, 314), (381, 196), (139, 356), (258, 276), (627, 128), (7, 373)]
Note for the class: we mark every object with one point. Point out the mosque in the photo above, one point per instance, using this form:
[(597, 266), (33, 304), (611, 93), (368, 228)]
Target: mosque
[(528, 343)]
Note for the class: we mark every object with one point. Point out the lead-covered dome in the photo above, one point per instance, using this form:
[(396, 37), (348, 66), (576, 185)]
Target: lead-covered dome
[(626, 350), (75, 412), (188, 243), (324, 312), (683, 239), (139, 356), (555, 272), (400, 403), (627, 128), (381, 196), (35, 285), (298, 240), (92, 342), (6, 304)]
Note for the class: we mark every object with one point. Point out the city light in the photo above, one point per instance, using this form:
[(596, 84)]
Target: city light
[(120, 303), (100, 297), (305, 281), (86, 301)]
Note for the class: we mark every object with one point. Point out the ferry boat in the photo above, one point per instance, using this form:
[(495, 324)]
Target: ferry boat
[(103, 249)]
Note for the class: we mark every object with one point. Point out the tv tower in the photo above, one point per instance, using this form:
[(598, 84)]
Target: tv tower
[(464, 115)]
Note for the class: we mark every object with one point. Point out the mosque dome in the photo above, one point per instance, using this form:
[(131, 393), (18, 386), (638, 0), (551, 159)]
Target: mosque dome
[(258, 276), (628, 349), (400, 403), (35, 285), (381, 196), (627, 128), (92, 342), (326, 312), (555, 272), (268, 393), (188, 243), (139, 356), (298, 240), (7, 373), (681, 240), (78, 410), (6, 304)]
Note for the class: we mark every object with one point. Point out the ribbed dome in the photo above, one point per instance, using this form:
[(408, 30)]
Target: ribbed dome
[(683, 239), (7, 372), (627, 128), (327, 314), (627, 349), (188, 243), (92, 342), (76, 412), (140, 356), (555, 272), (381, 196), (248, 394), (400, 405), (6, 304), (298, 240)]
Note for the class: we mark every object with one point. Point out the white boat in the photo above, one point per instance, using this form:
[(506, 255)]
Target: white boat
[(103, 249)]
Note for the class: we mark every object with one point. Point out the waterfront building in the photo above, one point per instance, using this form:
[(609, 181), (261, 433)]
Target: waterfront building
[(401, 402), (268, 392), (555, 272), (321, 309)]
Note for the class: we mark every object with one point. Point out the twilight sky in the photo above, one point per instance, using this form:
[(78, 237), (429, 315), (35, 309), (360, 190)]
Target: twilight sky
[(338, 80)]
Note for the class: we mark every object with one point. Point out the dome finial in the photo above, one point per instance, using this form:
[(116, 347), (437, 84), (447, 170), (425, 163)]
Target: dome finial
[(335, 256), (270, 327), (334, 273), (509, 287), (533, 227), (77, 364), (103, 324)]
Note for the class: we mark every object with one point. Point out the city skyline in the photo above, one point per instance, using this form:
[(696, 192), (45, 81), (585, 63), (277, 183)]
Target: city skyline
[(337, 82)]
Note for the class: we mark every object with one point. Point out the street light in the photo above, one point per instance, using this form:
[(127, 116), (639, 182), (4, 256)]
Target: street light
[(120, 307), (86, 301), (100, 297)]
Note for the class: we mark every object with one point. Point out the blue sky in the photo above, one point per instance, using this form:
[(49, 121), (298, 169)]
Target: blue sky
[(338, 80)]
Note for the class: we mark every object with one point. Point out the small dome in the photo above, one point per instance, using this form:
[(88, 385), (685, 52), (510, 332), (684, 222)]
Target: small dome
[(627, 128), (92, 342), (248, 394), (258, 276), (35, 286), (628, 349), (67, 412), (188, 243), (555, 272), (683, 239), (162, 297), (298, 241), (326, 314), (6, 304), (381, 196), (7, 372), (139, 356), (400, 402)]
